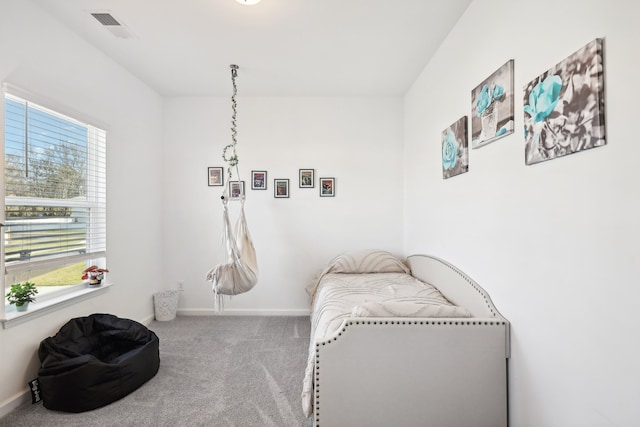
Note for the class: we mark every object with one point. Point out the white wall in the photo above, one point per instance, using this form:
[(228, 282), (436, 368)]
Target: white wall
[(555, 244), (552, 243), (39, 55), (356, 140)]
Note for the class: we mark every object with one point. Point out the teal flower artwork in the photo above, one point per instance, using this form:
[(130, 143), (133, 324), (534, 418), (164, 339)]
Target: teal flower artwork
[(543, 98), (483, 100), (455, 158), (564, 107), (498, 92), (449, 151), (492, 107), (487, 97)]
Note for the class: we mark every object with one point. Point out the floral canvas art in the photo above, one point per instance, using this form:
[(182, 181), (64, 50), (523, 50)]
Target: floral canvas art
[(564, 107), (492, 107), (455, 149)]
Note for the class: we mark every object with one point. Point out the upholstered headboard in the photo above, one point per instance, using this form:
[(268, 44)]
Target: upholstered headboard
[(456, 286)]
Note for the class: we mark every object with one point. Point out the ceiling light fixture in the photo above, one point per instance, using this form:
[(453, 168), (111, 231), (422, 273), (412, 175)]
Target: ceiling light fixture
[(248, 2)]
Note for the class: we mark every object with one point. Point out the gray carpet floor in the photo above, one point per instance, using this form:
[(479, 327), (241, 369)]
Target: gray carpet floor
[(214, 371)]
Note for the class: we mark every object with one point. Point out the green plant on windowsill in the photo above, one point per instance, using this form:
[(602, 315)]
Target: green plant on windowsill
[(21, 294)]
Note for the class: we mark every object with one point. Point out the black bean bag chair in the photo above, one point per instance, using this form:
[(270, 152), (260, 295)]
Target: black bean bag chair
[(95, 360)]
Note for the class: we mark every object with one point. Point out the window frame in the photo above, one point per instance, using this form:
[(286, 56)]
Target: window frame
[(70, 294)]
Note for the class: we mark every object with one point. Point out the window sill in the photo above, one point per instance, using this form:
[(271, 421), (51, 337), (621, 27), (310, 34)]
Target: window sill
[(37, 309)]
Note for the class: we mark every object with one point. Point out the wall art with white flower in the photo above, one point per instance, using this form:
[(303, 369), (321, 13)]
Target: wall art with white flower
[(564, 107), (492, 110), (455, 149)]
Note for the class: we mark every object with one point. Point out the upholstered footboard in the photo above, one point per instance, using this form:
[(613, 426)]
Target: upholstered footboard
[(417, 371), (412, 372)]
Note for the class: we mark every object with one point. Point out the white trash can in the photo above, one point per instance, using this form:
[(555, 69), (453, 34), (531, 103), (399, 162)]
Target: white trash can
[(166, 305)]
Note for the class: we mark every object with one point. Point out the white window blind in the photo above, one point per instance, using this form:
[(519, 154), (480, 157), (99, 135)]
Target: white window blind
[(55, 188)]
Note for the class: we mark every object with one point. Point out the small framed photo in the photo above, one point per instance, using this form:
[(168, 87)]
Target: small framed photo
[(306, 178), (280, 188), (327, 187), (215, 176), (258, 180), (236, 190)]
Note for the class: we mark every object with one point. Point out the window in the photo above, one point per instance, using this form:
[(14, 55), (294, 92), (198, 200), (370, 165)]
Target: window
[(54, 196)]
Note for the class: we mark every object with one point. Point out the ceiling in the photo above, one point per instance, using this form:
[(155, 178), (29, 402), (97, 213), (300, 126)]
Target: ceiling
[(283, 47)]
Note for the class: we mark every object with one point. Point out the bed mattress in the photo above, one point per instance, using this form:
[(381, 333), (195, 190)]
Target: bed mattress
[(338, 296)]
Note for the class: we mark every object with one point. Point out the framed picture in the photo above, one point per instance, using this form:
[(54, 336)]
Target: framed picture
[(492, 107), (236, 190), (564, 107), (455, 149), (258, 180), (307, 178), (280, 188), (327, 187), (215, 176)]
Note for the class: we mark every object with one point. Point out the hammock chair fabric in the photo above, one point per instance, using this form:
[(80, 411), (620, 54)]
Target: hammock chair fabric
[(239, 272)]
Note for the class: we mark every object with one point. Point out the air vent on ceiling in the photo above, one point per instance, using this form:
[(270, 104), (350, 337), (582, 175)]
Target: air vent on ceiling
[(112, 24), (105, 18)]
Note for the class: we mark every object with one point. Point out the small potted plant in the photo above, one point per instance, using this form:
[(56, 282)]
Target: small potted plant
[(94, 274), (21, 294)]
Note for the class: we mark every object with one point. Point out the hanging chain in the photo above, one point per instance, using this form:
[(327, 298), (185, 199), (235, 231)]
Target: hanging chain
[(232, 158)]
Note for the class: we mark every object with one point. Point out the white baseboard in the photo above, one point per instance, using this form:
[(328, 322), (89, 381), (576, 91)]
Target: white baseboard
[(147, 320), (240, 312), (14, 401)]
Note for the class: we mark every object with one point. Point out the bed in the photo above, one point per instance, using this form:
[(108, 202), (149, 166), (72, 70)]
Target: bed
[(413, 343)]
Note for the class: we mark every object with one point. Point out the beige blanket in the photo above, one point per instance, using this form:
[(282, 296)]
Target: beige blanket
[(337, 296)]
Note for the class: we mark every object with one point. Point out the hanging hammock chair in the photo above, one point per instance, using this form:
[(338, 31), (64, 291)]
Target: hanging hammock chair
[(239, 272)]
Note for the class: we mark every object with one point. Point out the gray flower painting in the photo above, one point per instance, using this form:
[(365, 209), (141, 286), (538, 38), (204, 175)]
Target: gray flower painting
[(564, 107), (455, 149), (492, 107)]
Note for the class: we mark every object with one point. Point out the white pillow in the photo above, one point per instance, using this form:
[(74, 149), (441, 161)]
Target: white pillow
[(366, 261)]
